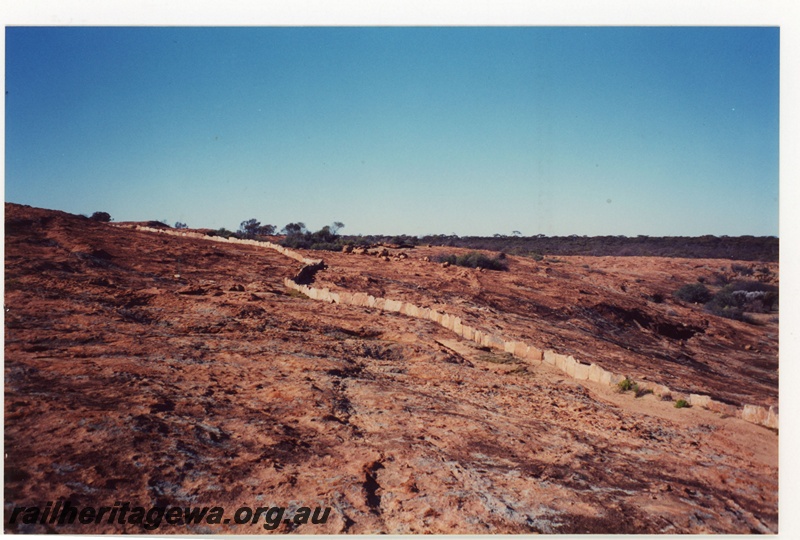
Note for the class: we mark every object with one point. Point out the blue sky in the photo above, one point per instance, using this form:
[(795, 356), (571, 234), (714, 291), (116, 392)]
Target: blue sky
[(416, 130)]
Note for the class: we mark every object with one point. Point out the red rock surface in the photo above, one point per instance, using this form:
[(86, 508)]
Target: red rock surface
[(136, 371)]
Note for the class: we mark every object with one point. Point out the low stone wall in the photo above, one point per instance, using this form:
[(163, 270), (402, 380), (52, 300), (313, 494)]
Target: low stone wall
[(761, 415), (529, 354), (280, 249)]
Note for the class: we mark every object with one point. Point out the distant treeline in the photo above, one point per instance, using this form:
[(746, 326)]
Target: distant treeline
[(744, 248)]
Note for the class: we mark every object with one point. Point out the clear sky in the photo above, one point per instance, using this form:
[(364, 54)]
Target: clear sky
[(416, 130)]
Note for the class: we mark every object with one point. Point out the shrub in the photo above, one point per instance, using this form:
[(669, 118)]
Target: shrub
[(158, 224), (733, 300), (696, 293), (742, 270), (751, 286), (474, 260), (103, 217), (326, 246), (721, 280), (180, 225), (727, 303), (326, 239), (626, 384), (223, 232), (682, 404), (404, 241), (356, 241)]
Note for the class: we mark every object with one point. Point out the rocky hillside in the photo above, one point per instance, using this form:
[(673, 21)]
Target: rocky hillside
[(176, 371)]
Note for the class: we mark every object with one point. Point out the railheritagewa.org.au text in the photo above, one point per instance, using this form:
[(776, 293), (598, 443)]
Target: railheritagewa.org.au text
[(57, 513)]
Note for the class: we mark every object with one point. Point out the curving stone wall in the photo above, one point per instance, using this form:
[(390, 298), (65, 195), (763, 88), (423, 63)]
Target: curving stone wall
[(277, 247), (529, 354)]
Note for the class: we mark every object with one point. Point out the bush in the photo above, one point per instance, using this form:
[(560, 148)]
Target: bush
[(682, 404), (726, 304), (356, 241), (733, 300), (326, 239), (103, 217), (721, 280), (158, 224), (404, 241), (223, 232), (751, 286), (696, 293), (626, 384), (474, 260), (325, 246)]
